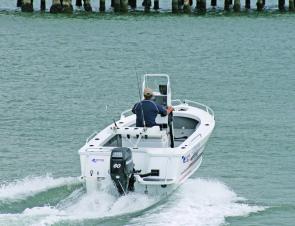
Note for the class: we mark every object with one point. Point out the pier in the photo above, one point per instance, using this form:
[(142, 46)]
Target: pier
[(177, 6)]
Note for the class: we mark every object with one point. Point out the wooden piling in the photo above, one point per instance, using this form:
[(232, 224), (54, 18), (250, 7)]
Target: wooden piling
[(156, 5), (102, 5), (282, 5), (147, 5), (124, 6), (87, 6), (190, 2), (237, 6), (180, 4), (226, 5), (201, 5), (79, 3), (19, 3), (213, 3), (56, 6), (248, 4), (43, 5), (259, 5), (27, 6), (174, 6), (132, 4), (187, 6), (67, 6), (230, 2), (291, 5), (117, 6)]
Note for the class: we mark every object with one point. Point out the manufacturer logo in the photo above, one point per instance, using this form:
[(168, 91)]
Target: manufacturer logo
[(185, 158), (97, 160), (189, 157), (117, 166)]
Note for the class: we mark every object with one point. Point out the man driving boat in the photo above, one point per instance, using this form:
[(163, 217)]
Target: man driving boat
[(149, 109)]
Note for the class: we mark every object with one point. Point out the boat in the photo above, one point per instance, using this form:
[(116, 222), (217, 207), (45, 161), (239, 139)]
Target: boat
[(154, 160)]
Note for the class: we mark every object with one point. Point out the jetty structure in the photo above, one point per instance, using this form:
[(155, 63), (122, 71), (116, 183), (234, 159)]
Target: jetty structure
[(123, 6)]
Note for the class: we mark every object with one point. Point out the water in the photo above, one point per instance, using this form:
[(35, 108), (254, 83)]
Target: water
[(58, 73)]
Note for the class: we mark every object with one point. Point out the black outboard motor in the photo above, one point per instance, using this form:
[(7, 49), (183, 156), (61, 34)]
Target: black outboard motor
[(122, 169)]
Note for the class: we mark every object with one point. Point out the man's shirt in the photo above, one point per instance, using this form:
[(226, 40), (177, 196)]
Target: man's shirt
[(150, 110)]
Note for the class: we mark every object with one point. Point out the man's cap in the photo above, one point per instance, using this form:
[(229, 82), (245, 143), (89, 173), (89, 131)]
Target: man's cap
[(148, 92)]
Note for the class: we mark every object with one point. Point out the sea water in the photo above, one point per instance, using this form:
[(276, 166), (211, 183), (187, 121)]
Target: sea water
[(64, 77)]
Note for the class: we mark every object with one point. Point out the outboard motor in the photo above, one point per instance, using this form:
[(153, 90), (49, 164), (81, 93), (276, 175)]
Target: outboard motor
[(122, 169)]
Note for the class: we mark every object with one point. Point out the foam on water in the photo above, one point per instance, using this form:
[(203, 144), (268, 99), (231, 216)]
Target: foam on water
[(79, 206), (30, 186), (198, 202), (95, 206)]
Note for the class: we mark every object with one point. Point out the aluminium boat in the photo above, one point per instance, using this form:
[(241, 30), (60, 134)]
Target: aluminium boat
[(153, 160)]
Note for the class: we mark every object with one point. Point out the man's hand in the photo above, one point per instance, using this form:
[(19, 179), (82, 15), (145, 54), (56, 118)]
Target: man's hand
[(169, 109)]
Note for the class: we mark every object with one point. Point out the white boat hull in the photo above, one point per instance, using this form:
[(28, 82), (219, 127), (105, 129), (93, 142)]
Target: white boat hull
[(162, 158), (175, 166)]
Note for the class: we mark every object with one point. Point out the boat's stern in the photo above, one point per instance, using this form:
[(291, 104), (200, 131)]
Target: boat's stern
[(95, 165), (125, 166)]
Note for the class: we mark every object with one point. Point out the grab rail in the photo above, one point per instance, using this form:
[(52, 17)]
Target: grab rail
[(91, 136), (176, 102), (124, 113), (195, 139), (191, 142), (197, 104)]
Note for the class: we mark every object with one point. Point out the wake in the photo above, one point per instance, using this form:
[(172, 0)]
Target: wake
[(76, 207), (197, 202), (29, 186)]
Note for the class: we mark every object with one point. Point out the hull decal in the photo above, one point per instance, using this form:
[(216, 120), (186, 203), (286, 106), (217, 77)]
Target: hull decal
[(189, 169)]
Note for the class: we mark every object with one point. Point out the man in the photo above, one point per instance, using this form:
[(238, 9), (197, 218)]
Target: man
[(150, 109)]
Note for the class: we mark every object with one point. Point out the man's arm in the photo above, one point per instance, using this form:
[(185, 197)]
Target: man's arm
[(164, 111), (134, 108), (169, 109)]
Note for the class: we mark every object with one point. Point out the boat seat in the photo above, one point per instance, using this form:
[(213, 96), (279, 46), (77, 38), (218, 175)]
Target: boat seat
[(143, 137), (152, 132)]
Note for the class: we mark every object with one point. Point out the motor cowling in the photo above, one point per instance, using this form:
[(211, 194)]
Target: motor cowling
[(121, 169)]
